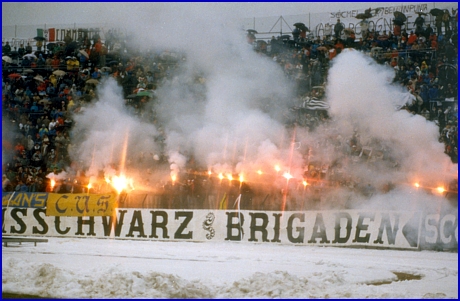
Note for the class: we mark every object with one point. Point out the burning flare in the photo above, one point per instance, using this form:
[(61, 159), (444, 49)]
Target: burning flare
[(287, 175), (121, 183)]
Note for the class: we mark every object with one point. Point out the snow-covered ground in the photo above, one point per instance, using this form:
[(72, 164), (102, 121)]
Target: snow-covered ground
[(107, 268)]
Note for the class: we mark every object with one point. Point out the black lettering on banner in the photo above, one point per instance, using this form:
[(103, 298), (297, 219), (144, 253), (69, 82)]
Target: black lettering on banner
[(156, 224), (363, 227), (57, 222), (82, 222), (320, 29), (103, 201), (447, 227), (276, 228), (86, 208), (238, 226), (338, 217), (41, 222), (179, 232), (61, 210), (385, 224), (262, 228), (18, 219), (137, 218), (300, 230), (116, 222), (319, 230)]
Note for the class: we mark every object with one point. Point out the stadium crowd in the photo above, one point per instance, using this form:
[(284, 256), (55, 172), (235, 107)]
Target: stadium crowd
[(42, 90)]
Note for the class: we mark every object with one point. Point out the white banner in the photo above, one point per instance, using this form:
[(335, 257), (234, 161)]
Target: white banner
[(382, 19), (380, 229)]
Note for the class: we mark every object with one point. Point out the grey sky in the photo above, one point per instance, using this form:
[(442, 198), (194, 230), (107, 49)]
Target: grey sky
[(31, 13)]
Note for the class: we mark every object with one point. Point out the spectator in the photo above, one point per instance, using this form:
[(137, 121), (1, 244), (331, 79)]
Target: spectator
[(28, 48), (338, 27), (6, 49)]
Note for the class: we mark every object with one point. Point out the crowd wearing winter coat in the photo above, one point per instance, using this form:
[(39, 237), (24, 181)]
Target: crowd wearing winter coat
[(39, 106)]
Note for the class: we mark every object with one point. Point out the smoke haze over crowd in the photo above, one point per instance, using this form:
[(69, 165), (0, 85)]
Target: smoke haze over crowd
[(228, 109)]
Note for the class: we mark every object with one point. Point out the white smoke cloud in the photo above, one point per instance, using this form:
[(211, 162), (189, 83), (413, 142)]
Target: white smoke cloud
[(362, 98), (106, 134), (232, 121)]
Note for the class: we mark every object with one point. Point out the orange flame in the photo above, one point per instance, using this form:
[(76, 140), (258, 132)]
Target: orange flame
[(121, 183)]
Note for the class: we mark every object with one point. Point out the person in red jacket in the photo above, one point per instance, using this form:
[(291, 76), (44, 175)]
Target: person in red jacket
[(412, 38)]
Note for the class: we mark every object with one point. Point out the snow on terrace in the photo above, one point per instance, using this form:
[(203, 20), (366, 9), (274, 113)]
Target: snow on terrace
[(106, 268)]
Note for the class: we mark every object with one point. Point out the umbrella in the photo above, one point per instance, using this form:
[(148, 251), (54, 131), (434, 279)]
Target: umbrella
[(140, 94), (322, 48), (84, 53), (39, 78), (44, 101), (7, 59), (422, 13), (349, 30), (112, 63), (39, 39), (50, 46), (106, 69), (27, 71), (400, 16), (92, 81), (14, 75), (436, 12), (301, 26), (285, 37), (251, 31), (362, 16), (59, 73), (144, 93), (30, 55)]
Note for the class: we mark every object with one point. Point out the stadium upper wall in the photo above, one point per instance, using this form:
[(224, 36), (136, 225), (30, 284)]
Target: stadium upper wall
[(265, 26)]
